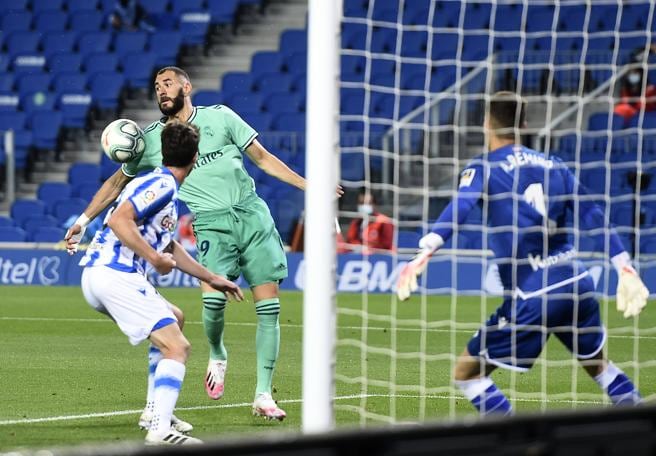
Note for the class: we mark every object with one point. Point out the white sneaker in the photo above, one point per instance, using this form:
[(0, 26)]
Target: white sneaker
[(215, 377), (265, 406), (176, 423), (173, 437)]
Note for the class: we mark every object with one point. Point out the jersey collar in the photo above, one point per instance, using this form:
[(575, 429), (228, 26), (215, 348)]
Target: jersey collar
[(164, 170), (191, 118)]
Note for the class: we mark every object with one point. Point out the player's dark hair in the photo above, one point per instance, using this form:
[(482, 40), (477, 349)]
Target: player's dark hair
[(179, 143), (177, 70), (507, 114)]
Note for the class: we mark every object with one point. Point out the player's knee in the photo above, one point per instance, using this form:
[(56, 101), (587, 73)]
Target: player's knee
[(179, 316)]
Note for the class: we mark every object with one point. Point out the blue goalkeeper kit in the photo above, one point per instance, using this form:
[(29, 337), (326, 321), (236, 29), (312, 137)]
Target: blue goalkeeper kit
[(527, 199)]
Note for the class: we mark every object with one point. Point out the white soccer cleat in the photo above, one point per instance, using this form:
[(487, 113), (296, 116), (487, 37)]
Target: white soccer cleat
[(172, 437), (176, 423), (215, 378), (265, 406)]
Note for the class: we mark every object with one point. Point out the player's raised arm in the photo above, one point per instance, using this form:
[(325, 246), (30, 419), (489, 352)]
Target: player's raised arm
[(632, 294), (273, 166), (456, 212), (105, 196)]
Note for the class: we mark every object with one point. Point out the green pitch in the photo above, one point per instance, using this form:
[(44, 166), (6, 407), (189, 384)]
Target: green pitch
[(67, 375)]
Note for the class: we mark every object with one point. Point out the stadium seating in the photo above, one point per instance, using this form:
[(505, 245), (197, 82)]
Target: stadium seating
[(12, 234), (48, 234)]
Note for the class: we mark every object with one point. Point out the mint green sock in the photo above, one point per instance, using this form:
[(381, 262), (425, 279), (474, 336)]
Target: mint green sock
[(267, 342), (213, 321)]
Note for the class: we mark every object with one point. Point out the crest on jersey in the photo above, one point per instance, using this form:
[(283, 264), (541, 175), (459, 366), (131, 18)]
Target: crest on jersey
[(207, 131), (467, 177), (149, 196)]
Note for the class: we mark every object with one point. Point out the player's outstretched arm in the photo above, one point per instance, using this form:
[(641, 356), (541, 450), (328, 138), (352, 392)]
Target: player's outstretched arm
[(105, 196), (407, 282), (186, 263), (123, 223), (273, 166)]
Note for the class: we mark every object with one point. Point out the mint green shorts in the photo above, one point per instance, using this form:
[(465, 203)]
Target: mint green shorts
[(241, 240)]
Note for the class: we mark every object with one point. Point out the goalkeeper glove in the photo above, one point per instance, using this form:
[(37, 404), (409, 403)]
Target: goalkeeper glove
[(632, 293), (407, 282)]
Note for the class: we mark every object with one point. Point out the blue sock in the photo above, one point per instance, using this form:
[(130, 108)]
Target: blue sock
[(485, 396), (618, 386)]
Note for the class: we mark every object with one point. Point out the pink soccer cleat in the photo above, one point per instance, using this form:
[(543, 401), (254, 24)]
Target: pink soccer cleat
[(265, 406), (215, 377)]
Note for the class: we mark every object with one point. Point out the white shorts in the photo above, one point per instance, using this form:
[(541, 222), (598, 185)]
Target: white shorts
[(128, 298)]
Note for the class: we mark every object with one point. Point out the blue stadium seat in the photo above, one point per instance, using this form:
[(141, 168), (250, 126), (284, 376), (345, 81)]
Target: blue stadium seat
[(47, 5), (65, 208), (475, 47), (69, 82), (28, 63), (6, 82), (222, 11), (30, 224), (414, 44), (508, 18), (352, 67), (100, 62), (37, 101), (284, 103), (354, 36), (444, 46), (648, 245), (193, 27), (12, 121), (267, 83), (245, 102), (29, 83), (477, 16), (12, 234), (6, 221), (83, 173), (74, 108), (57, 42), (634, 16), (267, 62), (207, 98), (21, 209), (49, 192), (299, 84), (383, 40), (107, 169), (166, 55), (63, 62), (416, 13), (81, 5), (17, 5), (571, 17), (22, 42), (236, 81), (48, 234), (126, 42), (647, 122), (87, 190), (541, 18), (288, 214), (86, 20), (92, 42), (155, 6), (138, 69), (352, 101), (260, 122), (45, 126), (290, 122), (16, 21), (604, 121), (602, 17), (106, 89), (188, 5), (9, 102), (50, 21), (293, 40), (356, 8), (407, 239), (352, 167), (413, 76)]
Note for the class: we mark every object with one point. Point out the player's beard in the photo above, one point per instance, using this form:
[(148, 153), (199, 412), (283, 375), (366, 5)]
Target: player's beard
[(178, 103)]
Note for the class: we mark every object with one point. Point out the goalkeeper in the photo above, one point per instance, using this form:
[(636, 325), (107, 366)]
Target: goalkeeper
[(547, 290), (235, 233)]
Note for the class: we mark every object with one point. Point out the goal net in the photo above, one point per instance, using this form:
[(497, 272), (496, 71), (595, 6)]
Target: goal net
[(415, 77)]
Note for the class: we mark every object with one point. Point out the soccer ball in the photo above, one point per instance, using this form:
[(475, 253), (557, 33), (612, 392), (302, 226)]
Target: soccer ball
[(123, 140)]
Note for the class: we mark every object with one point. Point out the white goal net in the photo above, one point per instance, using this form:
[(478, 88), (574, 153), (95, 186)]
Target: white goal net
[(415, 76)]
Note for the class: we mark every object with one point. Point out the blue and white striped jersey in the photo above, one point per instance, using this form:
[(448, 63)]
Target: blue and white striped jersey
[(527, 199), (154, 197)]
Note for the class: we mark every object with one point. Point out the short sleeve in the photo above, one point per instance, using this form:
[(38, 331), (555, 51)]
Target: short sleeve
[(151, 196), (240, 132)]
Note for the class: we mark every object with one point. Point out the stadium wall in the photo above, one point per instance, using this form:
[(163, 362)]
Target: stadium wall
[(471, 274)]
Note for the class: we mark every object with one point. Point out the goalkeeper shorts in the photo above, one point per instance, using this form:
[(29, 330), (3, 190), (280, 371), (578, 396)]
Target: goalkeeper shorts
[(514, 335), (241, 240)]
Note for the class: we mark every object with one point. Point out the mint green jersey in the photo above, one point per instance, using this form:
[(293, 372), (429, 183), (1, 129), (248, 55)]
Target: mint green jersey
[(219, 179)]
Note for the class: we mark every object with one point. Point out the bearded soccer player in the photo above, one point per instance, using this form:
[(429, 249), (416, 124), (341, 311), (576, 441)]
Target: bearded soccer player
[(235, 233), (548, 291)]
